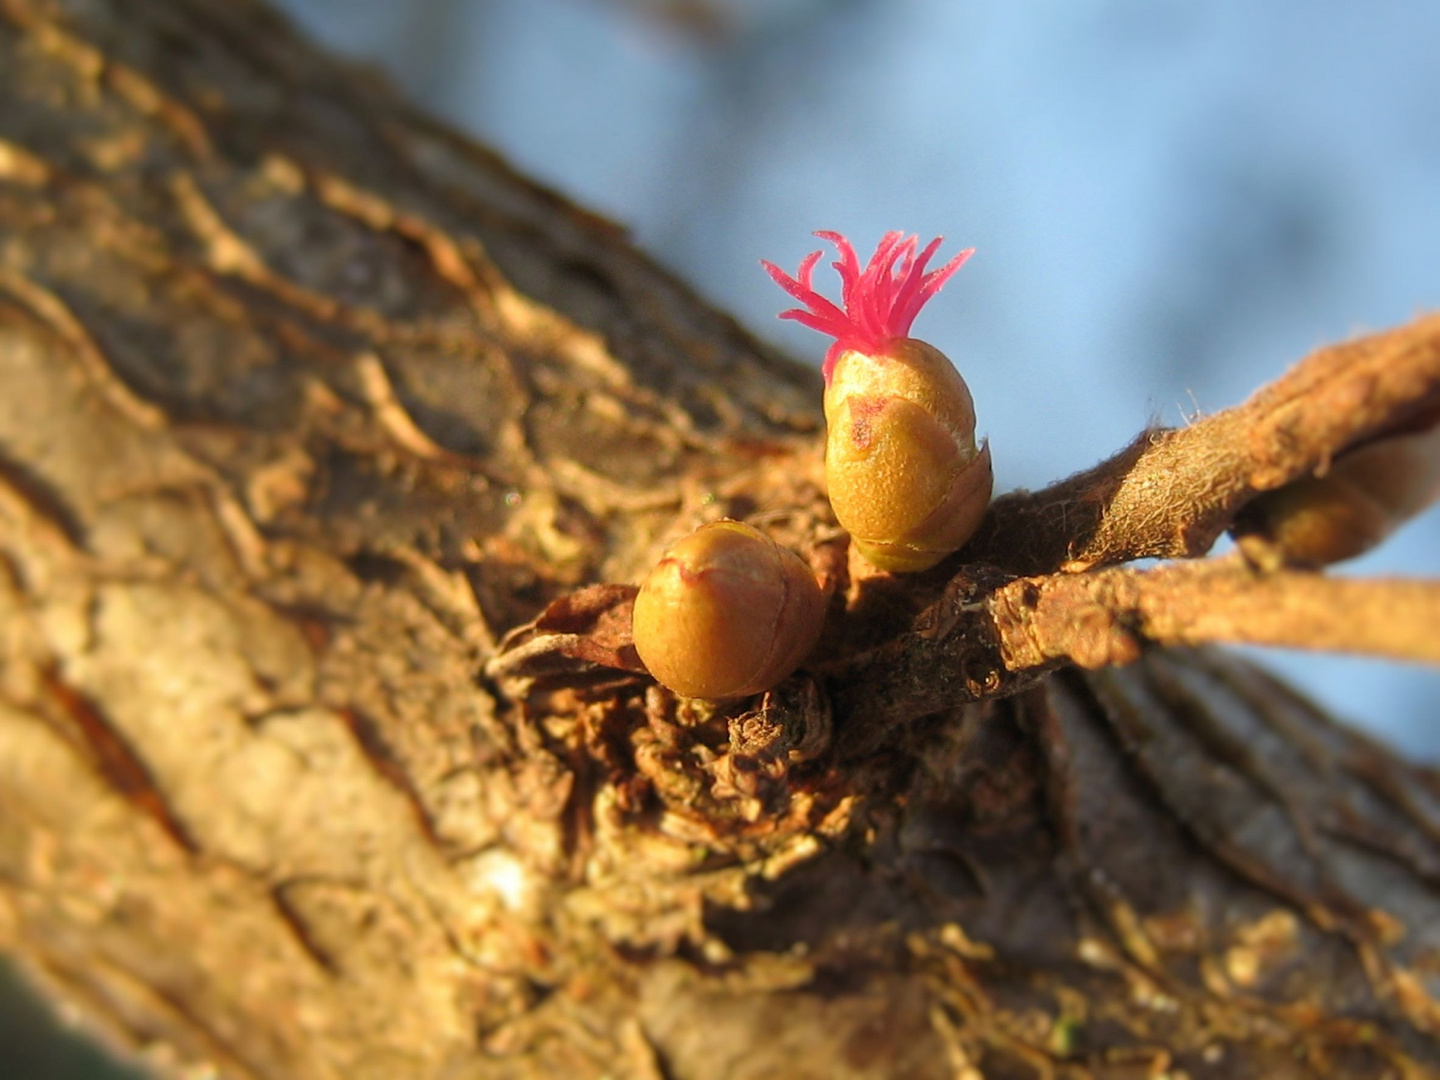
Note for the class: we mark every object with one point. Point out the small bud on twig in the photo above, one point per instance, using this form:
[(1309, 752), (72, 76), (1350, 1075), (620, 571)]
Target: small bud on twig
[(1365, 495), (905, 476), (727, 613)]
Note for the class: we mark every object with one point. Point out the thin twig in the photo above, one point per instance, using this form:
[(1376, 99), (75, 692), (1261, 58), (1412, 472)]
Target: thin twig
[(1104, 617), (987, 638)]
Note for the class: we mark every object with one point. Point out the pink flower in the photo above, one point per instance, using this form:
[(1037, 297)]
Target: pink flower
[(879, 302)]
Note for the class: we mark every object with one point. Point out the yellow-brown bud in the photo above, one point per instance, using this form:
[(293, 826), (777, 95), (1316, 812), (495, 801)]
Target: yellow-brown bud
[(1366, 494), (727, 613), (906, 479), (905, 476)]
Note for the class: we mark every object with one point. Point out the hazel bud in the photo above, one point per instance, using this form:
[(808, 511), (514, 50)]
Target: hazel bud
[(905, 476), (727, 613), (1365, 495)]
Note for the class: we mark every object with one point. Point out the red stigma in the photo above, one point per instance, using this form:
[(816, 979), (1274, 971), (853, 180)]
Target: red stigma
[(877, 303)]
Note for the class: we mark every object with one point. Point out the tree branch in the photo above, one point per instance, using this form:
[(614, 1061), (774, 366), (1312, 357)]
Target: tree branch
[(314, 402), (987, 636), (1171, 493)]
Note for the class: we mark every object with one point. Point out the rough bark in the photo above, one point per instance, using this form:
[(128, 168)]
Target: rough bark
[(310, 404)]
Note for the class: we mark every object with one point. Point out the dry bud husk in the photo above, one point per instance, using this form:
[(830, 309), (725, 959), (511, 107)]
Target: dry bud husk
[(727, 613)]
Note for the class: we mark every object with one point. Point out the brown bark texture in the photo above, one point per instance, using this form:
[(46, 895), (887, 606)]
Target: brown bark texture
[(323, 750)]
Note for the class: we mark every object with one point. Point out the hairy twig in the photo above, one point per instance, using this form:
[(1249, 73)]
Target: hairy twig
[(1171, 493)]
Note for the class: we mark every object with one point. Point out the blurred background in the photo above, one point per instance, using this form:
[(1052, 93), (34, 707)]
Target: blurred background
[(1172, 202)]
